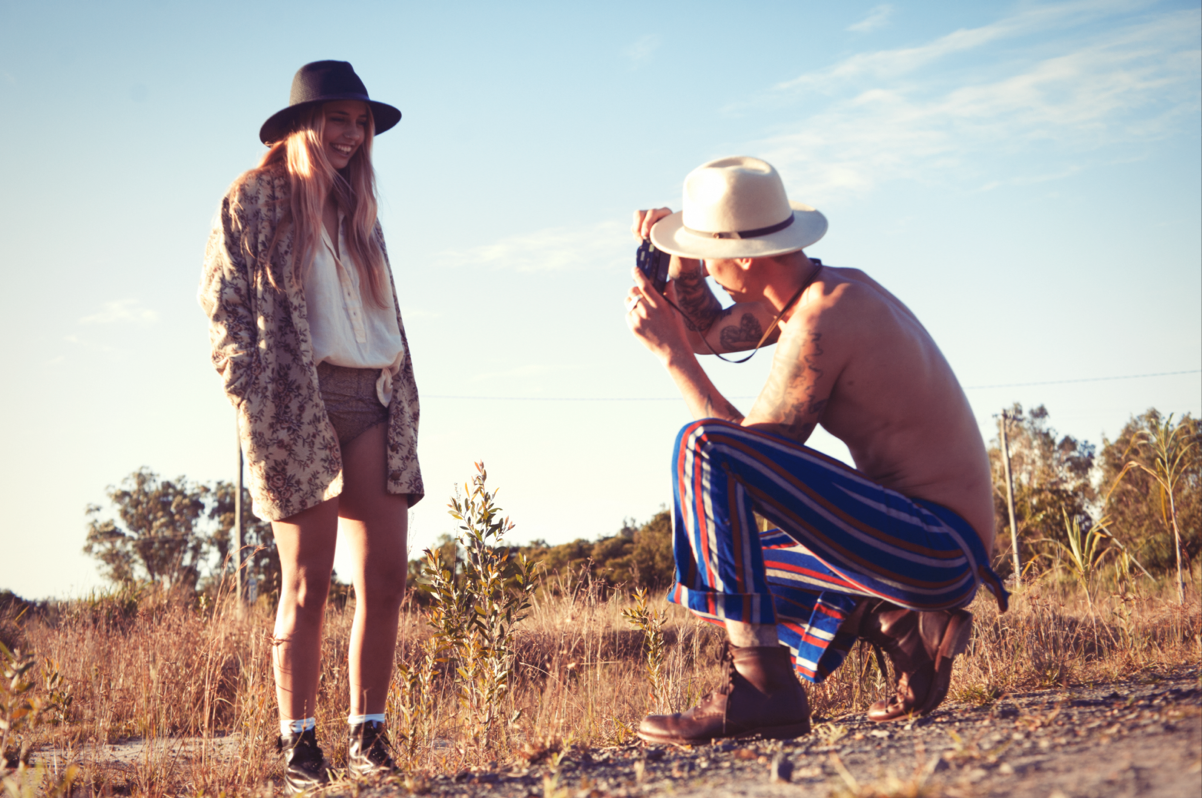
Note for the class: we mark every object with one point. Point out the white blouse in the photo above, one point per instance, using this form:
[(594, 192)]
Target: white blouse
[(347, 331)]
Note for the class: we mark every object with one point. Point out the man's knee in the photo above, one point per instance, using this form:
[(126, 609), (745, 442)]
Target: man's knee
[(694, 434)]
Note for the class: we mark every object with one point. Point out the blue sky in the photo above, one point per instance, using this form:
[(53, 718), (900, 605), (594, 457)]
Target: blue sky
[(1025, 176)]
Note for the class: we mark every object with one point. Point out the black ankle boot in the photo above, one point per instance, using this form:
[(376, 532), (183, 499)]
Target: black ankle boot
[(304, 765), (369, 748)]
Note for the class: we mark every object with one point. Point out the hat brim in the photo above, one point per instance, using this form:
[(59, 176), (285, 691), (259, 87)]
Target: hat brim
[(670, 235), (281, 123)]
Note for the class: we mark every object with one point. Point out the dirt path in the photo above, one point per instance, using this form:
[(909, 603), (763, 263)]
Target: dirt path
[(1140, 738)]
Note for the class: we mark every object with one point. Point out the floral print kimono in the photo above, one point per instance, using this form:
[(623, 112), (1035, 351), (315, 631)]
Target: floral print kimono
[(264, 353)]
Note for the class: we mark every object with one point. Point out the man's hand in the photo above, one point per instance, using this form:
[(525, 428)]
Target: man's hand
[(652, 320), (649, 316), (645, 220)]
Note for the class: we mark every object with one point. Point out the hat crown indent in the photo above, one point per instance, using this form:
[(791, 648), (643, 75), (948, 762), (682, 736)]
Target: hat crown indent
[(325, 79), (729, 195)]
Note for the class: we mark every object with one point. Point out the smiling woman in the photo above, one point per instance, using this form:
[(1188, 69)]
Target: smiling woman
[(306, 333)]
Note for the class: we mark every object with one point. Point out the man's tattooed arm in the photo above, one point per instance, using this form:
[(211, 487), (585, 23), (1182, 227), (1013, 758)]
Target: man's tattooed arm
[(734, 329), (745, 335), (693, 295), (721, 408), (795, 396)]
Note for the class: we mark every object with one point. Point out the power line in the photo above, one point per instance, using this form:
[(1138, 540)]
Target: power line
[(677, 398), (1084, 379)]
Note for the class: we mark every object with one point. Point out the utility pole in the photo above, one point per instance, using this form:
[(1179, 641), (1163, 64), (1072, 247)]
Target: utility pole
[(1004, 423), (238, 517)]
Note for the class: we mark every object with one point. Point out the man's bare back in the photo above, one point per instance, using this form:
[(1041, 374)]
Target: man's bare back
[(875, 379), (851, 357)]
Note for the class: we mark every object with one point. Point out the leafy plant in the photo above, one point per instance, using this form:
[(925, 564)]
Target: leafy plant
[(651, 624), (1084, 550), (23, 707), (475, 605), (1171, 447)]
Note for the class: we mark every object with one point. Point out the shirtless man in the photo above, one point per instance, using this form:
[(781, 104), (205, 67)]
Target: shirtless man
[(890, 551)]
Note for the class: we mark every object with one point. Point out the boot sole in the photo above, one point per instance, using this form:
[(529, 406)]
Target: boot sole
[(786, 732), (954, 643)]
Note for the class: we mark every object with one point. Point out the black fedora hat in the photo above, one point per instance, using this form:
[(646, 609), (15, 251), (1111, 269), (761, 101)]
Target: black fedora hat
[(323, 82)]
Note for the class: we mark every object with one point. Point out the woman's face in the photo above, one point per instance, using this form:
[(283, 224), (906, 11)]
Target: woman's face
[(345, 129)]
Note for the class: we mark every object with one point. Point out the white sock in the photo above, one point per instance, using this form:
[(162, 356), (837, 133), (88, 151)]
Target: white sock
[(355, 720), (297, 726)]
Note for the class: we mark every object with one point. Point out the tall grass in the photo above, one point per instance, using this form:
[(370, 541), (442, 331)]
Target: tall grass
[(164, 666)]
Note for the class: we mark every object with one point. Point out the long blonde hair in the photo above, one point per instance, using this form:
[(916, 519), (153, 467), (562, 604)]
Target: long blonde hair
[(312, 177)]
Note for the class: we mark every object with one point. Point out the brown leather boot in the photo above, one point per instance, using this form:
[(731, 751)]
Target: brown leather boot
[(921, 646), (762, 698)]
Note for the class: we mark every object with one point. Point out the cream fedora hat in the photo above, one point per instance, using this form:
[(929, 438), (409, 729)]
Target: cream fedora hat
[(736, 208)]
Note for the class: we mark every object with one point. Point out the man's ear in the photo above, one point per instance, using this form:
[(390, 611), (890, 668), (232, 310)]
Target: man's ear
[(744, 263)]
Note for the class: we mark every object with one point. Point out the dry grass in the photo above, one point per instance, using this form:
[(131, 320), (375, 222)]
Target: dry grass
[(162, 667)]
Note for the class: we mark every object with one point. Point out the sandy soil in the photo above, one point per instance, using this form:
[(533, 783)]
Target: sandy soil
[(1136, 738), (1139, 738)]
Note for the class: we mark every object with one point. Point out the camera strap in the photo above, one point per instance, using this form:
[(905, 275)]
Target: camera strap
[(767, 332)]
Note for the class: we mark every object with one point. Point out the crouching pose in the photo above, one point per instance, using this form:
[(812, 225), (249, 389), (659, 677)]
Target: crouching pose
[(306, 333), (891, 551)]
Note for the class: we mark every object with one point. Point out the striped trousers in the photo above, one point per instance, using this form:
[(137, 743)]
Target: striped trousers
[(839, 537)]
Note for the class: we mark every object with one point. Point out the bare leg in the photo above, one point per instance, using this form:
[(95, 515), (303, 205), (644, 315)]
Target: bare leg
[(306, 546), (751, 634), (373, 524)]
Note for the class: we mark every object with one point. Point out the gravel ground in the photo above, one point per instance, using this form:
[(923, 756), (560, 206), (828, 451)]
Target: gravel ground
[(1138, 738)]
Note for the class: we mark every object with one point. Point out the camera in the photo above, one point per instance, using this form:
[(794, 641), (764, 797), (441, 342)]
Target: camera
[(653, 264)]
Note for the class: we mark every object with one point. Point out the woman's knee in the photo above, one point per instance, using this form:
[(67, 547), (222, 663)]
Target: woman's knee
[(381, 591), (306, 594)]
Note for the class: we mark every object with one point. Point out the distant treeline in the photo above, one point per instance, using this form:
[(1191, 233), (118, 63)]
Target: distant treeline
[(176, 533), (1059, 480), (638, 555)]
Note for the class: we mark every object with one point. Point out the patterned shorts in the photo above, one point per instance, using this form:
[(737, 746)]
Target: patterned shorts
[(350, 399)]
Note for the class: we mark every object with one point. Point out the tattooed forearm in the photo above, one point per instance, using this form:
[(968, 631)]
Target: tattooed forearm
[(695, 298), (744, 336), (722, 409)]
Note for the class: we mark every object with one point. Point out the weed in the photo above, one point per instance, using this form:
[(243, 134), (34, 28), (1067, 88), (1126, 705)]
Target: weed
[(22, 709), (474, 612), (651, 624), (980, 695)]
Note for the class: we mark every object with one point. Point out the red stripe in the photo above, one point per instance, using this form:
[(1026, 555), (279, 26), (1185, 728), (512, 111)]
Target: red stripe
[(797, 569)]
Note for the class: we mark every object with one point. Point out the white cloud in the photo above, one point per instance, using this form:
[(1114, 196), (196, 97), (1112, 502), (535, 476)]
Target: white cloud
[(555, 249), (92, 345), (878, 17), (122, 310), (641, 51), (901, 61), (1133, 84)]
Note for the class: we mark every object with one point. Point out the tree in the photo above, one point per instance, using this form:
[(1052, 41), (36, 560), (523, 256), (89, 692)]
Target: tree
[(260, 559), (1052, 482), (637, 556), (1157, 503), (157, 538)]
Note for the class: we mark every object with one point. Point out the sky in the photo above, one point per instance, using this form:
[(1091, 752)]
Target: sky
[(1024, 175)]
